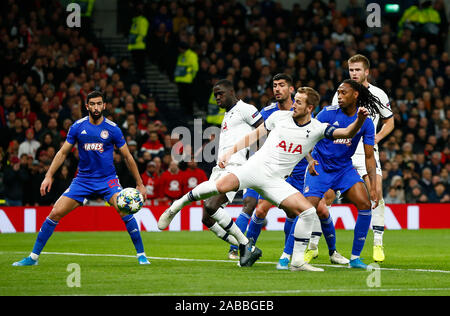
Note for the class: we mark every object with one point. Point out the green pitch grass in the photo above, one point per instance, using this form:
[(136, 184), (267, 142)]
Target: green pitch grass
[(195, 264)]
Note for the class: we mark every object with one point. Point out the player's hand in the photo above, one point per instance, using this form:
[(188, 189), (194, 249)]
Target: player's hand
[(312, 169), (363, 113), (223, 160), (374, 198), (46, 185), (141, 188)]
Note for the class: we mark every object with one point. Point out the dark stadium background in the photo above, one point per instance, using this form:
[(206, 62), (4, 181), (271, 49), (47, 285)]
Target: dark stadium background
[(47, 69)]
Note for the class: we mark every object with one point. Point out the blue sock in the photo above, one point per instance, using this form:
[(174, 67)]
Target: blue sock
[(255, 227), (45, 232), (289, 244), (133, 230), (361, 229), (329, 233), (242, 223), (287, 227)]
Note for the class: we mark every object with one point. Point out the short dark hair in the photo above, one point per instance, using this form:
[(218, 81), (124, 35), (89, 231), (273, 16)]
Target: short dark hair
[(94, 94), (225, 83), (285, 77)]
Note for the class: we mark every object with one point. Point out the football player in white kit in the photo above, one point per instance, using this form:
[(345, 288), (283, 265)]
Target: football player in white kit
[(358, 67), (240, 119), (293, 135)]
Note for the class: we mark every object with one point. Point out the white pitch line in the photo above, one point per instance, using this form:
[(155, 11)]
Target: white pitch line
[(213, 260), (340, 290)]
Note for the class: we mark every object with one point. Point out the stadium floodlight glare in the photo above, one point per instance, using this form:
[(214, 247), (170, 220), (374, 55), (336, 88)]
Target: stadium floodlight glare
[(392, 8)]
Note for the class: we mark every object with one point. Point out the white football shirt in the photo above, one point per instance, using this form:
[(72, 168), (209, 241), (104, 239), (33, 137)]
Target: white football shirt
[(385, 111), (236, 123), (287, 143)]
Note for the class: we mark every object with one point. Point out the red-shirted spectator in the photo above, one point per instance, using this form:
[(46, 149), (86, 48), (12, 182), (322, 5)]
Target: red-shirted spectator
[(153, 145), (170, 185), (193, 176), (150, 179)]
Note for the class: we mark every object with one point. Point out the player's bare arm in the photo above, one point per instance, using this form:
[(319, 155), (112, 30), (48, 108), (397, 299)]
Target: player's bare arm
[(386, 129), (351, 130), (371, 172), (246, 141), (60, 156), (131, 165)]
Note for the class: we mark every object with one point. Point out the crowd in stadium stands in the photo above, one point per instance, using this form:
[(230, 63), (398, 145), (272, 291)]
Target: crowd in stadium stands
[(47, 69)]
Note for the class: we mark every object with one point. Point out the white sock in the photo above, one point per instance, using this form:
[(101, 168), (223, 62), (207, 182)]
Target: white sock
[(34, 256), (201, 192), (378, 222), (222, 234), (227, 223), (353, 257), (315, 238), (285, 255), (302, 234)]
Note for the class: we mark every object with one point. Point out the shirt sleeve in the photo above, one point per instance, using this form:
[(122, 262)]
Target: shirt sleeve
[(270, 123), (72, 134), (369, 133), (386, 111), (323, 116), (250, 114), (118, 138)]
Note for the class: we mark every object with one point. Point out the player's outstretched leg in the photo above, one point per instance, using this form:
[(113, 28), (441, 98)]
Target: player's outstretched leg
[(210, 205), (250, 200), (248, 253), (201, 192), (62, 207)]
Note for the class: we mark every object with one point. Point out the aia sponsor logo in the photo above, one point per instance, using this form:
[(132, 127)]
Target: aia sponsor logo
[(93, 147), (291, 148)]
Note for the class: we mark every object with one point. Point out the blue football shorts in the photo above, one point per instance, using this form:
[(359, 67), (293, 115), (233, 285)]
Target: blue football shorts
[(341, 179), (251, 193), (82, 189)]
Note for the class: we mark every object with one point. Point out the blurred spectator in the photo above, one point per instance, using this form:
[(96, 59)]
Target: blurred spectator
[(193, 176), (15, 178), (439, 194), (153, 145), (150, 178), (137, 41), (30, 145), (170, 184), (185, 72)]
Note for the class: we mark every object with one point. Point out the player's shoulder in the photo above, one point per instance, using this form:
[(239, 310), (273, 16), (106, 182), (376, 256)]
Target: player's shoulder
[(333, 107), (109, 122), (377, 91), (81, 121), (271, 107), (277, 115), (242, 105)]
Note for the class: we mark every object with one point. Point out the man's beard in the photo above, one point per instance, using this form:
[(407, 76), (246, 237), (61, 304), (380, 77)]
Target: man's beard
[(94, 116)]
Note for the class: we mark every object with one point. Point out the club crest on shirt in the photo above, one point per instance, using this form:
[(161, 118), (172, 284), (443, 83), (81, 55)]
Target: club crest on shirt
[(104, 134)]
